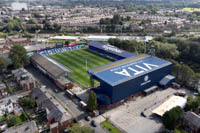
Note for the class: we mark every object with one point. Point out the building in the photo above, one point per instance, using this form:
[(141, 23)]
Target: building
[(128, 77), (16, 6), (7, 106), (169, 104), (21, 41), (10, 104), (52, 69), (98, 38), (25, 80), (191, 122), (28, 127), (109, 51), (57, 116), (70, 38), (3, 90)]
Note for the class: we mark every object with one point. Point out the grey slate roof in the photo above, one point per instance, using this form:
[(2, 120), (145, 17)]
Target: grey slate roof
[(53, 69), (53, 107), (193, 118), (28, 127)]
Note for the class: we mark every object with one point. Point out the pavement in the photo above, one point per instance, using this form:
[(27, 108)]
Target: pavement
[(128, 117), (70, 104)]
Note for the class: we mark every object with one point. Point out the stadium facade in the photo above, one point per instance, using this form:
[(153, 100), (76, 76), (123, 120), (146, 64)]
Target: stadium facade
[(128, 77)]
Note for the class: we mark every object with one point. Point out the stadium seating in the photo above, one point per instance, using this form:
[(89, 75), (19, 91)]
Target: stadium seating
[(59, 50)]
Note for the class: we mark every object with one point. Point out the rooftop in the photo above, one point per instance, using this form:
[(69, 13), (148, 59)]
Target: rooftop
[(53, 68), (127, 69), (193, 118), (28, 127), (54, 108), (111, 49), (172, 102)]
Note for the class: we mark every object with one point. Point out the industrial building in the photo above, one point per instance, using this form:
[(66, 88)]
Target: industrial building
[(128, 77), (109, 51), (170, 103)]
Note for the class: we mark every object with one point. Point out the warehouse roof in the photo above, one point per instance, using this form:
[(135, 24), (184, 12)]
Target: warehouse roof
[(65, 37), (169, 104), (111, 49), (50, 65), (166, 79), (127, 69)]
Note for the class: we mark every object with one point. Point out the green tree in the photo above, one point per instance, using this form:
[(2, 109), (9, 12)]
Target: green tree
[(128, 18), (18, 55), (172, 117), (166, 50), (195, 80), (78, 129), (192, 103), (32, 21), (14, 24), (176, 70), (27, 101), (24, 116), (186, 75), (116, 19), (92, 101), (101, 21), (13, 120), (3, 64)]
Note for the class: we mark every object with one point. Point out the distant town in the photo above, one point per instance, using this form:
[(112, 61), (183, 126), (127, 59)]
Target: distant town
[(112, 66)]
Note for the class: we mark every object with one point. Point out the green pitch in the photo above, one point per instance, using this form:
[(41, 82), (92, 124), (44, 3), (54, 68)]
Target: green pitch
[(76, 61)]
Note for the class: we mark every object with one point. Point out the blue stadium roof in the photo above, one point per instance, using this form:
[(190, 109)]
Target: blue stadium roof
[(111, 49), (127, 69)]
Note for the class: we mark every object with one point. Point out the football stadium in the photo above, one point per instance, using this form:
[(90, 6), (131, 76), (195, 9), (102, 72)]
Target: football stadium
[(76, 61), (112, 73)]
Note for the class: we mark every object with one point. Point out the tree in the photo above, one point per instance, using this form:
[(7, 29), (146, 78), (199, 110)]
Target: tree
[(14, 120), (128, 18), (78, 129), (186, 75), (32, 21), (192, 103), (3, 64), (195, 80), (116, 19), (19, 57), (172, 117), (14, 25), (27, 101), (56, 27), (101, 21), (166, 50), (92, 102)]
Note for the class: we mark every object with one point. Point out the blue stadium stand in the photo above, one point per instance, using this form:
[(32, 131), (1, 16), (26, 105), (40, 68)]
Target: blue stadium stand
[(127, 77)]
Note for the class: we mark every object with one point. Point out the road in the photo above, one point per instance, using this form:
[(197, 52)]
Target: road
[(72, 104)]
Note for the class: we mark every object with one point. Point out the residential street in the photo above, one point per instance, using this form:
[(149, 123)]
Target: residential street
[(70, 104)]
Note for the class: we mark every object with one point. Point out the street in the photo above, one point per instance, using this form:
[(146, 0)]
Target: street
[(70, 104)]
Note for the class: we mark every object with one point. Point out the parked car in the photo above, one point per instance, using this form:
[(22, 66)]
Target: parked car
[(196, 94), (87, 118), (56, 90), (142, 114), (94, 123)]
